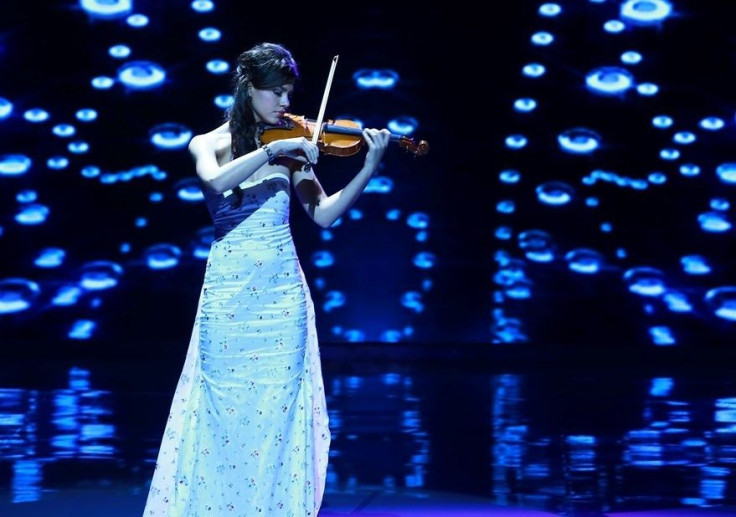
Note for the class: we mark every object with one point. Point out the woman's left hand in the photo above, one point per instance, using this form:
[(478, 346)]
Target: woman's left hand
[(377, 141)]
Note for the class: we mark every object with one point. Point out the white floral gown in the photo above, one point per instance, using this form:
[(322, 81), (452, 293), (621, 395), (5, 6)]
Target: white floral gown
[(247, 433)]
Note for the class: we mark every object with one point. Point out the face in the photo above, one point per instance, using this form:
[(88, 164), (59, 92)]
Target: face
[(270, 105)]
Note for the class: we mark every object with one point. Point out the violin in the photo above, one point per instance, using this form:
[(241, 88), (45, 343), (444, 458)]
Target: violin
[(340, 137)]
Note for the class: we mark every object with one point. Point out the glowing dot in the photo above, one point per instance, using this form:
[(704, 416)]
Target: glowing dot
[(525, 105), (727, 172), (162, 256), (689, 169), (645, 11), (82, 329), (506, 206), (78, 147), (333, 300), (657, 178), (141, 75), (203, 6), (390, 336), (645, 281), (520, 290), (379, 185), (36, 115), (677, 302), (370, 78), (425, 260), (412, 300), (6, 108), (32, 214), (695, 265), (210, 34), (137, 20), (550, 9), (720, 203), (14, 164), (684, 137), (63, 130), (224, 101), (170, 136), (534, 70), (57, 162), (584, 260), (107, 8), (631, 57), (614, 26), (86, 115), (403, 125), (102, 82), (101, 274), (322, 259), (189, 189), (50, 258), (662, 336), (418, 220), (542, 38), (669, 154), (516, 141), (17, 294), (67, 295), (609, 80), (509, 176), (722, 301), (26, 196), (90, 171), (537, 245), (119, 51), (647, 89), (712, 123), (662, 121), (503, 233), (217, 66), (579, 140), (555, 193), (714, 222)]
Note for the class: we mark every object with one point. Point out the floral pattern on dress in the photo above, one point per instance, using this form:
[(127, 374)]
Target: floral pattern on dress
[(247, 433)]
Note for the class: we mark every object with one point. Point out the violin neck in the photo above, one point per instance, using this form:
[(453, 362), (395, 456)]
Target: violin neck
[(352, 131)]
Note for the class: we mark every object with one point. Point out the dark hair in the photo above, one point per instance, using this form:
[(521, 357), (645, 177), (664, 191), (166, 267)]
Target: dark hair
[(266, 65)]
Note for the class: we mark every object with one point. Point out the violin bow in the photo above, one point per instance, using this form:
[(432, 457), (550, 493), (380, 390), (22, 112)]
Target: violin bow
[(321, 116)]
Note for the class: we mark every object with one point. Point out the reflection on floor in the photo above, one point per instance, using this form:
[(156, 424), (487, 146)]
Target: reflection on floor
[(413, 434), (366, 502)]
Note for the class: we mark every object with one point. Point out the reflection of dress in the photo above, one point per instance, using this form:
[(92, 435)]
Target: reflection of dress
[(247, 433)]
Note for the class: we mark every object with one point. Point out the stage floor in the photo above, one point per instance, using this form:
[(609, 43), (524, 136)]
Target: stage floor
[(458, 431), (365, 502)]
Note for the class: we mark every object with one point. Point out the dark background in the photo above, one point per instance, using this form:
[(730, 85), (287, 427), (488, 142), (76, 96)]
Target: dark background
[(459, 74)]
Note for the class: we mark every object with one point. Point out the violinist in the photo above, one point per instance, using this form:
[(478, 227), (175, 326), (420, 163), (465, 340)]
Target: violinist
[(247, 431)]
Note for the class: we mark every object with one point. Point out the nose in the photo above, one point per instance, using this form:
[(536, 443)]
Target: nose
[(284, 101)]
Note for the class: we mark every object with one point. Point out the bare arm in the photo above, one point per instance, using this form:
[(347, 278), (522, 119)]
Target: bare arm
[(325, 210), (220, 178)]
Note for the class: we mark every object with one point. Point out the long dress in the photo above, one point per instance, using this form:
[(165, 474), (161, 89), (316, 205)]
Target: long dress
[(247, 433)]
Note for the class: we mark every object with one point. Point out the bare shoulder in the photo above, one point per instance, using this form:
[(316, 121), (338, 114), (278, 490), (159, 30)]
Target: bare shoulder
[(216, 141)]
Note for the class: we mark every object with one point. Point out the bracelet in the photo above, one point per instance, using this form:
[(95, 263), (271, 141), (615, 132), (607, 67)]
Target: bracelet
[(271, 157)]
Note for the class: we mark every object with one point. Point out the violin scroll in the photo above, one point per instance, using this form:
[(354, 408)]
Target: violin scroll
[(416, 148)]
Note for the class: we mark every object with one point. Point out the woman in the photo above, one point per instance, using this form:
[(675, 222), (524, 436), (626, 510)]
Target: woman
[(248, 433)]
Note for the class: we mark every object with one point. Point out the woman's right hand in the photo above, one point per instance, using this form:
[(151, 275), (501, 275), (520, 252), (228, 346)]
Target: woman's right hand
[(298, 148)]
